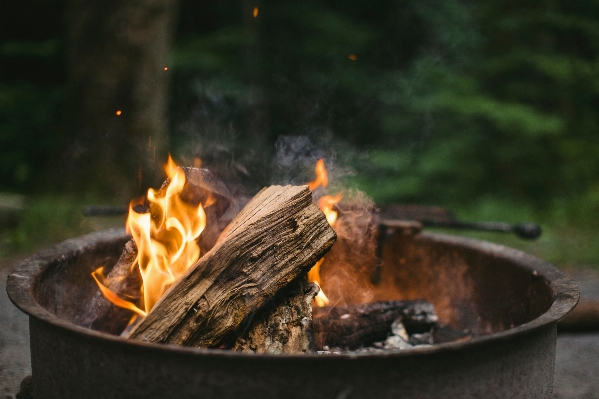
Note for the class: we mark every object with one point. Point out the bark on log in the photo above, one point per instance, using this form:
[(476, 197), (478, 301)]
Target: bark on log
[(277, 237), (354, 326), (116, 58), (124, 280), (285, 326)]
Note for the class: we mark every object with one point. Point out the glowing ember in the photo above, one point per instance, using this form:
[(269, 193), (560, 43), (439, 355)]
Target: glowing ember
[(118, 113), (255, 13), (352, 57), (166, 239), (325, 203)]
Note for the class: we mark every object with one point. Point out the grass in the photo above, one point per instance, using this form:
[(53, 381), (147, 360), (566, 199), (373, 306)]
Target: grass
[(47, 220), (569, 239)]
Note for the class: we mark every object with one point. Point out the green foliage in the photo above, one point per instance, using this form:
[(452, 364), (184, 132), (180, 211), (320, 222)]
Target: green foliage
[(479, 106), (28, 118), (46, 221)]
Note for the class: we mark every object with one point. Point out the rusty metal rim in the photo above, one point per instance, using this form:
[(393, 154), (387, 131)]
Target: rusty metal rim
[(21, 283)]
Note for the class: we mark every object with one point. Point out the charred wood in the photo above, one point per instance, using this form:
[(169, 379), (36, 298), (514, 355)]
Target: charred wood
[(124, 280), (354, 326)]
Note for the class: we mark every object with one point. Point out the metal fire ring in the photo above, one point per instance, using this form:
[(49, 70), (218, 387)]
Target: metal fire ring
[(71, 361)]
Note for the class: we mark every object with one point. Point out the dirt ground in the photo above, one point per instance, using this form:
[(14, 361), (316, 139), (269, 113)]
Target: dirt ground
[(14, 337)]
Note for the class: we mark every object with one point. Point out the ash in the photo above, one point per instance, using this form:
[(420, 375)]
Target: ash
[(400, 340)]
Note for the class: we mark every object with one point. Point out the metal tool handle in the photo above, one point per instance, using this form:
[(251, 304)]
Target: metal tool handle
[(526, 230)]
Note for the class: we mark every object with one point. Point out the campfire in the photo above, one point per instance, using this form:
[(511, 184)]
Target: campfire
[(217, 296), (258, 288)]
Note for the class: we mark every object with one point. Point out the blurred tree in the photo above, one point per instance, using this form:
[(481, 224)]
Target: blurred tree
[(451, 100), (114, 134), (31, 87)]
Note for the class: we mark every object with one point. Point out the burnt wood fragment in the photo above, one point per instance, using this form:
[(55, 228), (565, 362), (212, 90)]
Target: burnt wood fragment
[(285, 326), (124, 280), (277, 237), (353, 326)]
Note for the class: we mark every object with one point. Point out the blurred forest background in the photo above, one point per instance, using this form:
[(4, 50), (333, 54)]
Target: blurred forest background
[(489, 108)]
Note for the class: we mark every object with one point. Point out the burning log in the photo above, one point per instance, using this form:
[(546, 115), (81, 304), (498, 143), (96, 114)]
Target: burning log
[(285, 327), (277, 237), (353, 326), (124, 279)]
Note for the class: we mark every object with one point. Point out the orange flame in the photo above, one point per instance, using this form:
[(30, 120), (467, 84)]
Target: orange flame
[(325, 204), (166, 239), (322, 178), (111, 296)]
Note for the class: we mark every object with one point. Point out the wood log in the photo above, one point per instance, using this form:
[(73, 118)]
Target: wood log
[(277, 237), (124, 280), (354, 326), (285, 326)]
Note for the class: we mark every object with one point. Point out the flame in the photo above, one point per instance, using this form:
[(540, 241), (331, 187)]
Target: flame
[(166, 239), (326, 204), (98, 275), (255, 12), (314, 276), (322, 178), (118, 112)]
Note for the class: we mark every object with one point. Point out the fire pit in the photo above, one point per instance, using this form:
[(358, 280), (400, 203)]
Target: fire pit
[(510, 300)]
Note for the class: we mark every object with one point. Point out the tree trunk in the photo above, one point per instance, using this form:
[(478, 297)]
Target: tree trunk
[(117, 52)]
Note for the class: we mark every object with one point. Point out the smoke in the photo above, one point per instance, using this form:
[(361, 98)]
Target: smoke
[(348, 268), (245, 169)]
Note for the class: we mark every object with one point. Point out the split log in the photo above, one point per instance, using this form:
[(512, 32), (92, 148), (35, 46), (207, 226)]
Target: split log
[(284, 327), (354, 326), (124, 280), (277, 237)]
